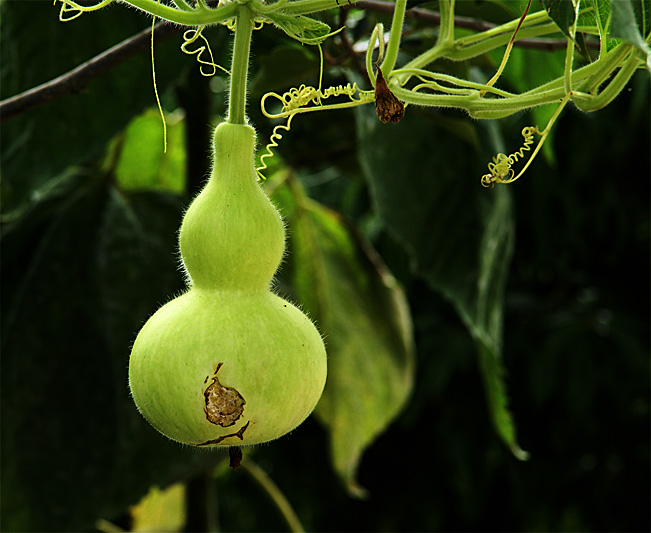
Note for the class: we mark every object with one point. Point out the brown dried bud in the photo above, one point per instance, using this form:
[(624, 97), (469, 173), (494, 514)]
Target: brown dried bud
[(387, 105)]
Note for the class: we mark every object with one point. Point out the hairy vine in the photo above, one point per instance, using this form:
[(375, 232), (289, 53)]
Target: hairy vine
[(591, 86)]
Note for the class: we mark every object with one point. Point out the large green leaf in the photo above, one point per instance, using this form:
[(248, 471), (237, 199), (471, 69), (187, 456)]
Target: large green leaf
[(364, 317), (425, 183), (599, 15), (630, 22)]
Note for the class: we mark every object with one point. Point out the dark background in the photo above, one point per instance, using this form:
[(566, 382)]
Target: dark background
[(84, 262)]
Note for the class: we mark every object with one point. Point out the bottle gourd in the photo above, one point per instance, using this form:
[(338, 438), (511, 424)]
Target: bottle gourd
[(228, 362)]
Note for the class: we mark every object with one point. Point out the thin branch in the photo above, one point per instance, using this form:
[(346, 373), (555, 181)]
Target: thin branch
[(423, 14), (76, 80)]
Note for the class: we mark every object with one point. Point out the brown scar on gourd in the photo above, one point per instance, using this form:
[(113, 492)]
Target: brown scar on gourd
[(239, 434), (223, 406)]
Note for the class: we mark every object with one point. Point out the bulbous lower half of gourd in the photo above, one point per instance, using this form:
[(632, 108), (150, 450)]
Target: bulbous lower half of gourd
[(221, 368), (232, 236)]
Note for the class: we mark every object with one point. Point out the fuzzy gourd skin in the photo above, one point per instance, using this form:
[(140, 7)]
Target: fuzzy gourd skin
[(228, 362)]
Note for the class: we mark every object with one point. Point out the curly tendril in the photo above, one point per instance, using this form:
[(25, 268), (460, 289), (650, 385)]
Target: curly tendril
[(297, 100), (153, 77), (305, 99), (275, 135), (71, 10), (500, 168), (189, 38)]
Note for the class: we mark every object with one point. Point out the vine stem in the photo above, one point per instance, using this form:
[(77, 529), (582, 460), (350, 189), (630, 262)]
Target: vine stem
[(444, 41), (240, 65), (274, 493), (195, 17), (394, 38), (569, 53), (446, 30)]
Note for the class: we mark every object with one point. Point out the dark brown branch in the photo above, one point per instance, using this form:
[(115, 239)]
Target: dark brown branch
[(423, 14), (76, 80)]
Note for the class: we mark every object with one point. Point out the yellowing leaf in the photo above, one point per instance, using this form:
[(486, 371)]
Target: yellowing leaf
[(160, 510), (363, 314)]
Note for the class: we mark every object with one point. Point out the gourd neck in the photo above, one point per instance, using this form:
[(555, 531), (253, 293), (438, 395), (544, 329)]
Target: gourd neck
[(232, 237)]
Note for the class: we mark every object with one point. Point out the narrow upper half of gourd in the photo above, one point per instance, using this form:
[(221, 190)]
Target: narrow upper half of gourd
[(232, 237)]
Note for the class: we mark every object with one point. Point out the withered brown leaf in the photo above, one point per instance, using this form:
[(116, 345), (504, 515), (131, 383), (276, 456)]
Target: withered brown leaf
[(387, 105)]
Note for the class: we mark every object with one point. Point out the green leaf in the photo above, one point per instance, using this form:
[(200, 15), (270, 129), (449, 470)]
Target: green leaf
[(161, 510), (364, 317), (460, 235), (625, 26), (561, 12), (143, 162), (599, 15), (304, 29)]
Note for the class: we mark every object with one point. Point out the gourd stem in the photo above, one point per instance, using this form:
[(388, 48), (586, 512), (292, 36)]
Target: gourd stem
[(240, 66)]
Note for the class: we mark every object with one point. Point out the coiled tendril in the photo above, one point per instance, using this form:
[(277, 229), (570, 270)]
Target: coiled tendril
[(296, 101), (300, 100), (71, 10), (500, 168), (275, 135), (189, 37)]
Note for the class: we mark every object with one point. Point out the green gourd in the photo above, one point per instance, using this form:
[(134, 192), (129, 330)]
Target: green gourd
[(228, 362)]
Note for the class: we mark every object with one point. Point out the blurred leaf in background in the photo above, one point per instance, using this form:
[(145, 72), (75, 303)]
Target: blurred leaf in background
[(459, 238), (364, 316), (150, 160)]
